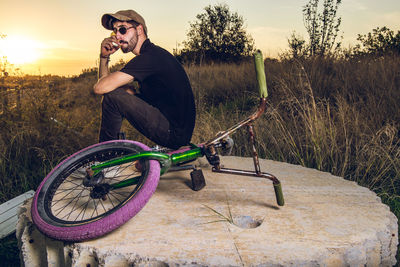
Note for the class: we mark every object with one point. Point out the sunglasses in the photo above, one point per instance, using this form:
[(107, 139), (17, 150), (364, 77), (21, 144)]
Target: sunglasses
[(122, 30)]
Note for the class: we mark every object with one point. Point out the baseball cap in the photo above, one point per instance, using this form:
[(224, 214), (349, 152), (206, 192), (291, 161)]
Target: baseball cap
[(122, 15)]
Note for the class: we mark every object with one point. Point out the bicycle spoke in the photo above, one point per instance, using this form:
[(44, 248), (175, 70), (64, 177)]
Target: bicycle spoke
[(120, 177), (62, 208), (78, 187), (95, 208), (63, 199), (111, 202), (104, 208), (123, 168), (67, 216), (83, 211), (73, 202), (120, 193), (113, 195), (65, 190), (78, 179), (69, 190)]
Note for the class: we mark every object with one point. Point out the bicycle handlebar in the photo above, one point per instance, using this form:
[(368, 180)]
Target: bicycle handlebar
[(260, 73)]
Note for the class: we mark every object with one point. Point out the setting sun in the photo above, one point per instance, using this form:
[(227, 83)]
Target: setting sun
[(19, 50)]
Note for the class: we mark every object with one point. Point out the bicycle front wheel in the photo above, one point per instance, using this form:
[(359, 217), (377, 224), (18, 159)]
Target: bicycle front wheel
[(65, 207)]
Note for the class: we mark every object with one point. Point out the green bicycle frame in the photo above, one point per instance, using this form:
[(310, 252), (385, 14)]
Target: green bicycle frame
[(166, 161), (194, 152)]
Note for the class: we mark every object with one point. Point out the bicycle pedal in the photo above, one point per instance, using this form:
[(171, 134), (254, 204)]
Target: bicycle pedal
[(198, 181)]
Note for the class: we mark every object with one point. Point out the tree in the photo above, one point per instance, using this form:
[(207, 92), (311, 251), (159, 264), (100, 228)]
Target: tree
[(218, 36), (322, 27), (381, 41), (297, 46)]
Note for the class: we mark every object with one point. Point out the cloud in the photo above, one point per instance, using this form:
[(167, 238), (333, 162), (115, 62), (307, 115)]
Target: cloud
[(61, 50), (390, 19), (257, 30), (61, 44), (355, 5)]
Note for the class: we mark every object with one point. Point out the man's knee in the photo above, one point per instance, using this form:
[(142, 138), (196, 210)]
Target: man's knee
[(114, 95), (117, 99)]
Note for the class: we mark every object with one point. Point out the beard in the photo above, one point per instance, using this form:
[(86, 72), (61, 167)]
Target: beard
[(131, 44)]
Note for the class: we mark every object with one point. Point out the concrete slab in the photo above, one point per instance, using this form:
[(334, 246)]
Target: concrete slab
[(234, 221)]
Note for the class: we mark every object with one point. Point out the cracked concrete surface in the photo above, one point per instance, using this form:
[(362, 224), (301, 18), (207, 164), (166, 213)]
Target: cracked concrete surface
[(234, 221)]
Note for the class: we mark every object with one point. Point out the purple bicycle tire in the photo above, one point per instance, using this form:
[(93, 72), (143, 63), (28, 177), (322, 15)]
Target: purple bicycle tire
[(111, 221)]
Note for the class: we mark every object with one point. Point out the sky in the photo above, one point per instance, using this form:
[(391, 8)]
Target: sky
[(63, 37)]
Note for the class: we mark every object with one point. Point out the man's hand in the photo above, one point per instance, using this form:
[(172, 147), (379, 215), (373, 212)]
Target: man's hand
[(109, 46)]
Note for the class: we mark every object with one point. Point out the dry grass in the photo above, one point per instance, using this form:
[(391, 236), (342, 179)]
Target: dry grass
[(333, 115), (336, 116)]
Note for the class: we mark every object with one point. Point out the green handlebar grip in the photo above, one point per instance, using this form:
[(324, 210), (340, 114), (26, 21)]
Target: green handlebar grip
[(262, 82), (279, 194)]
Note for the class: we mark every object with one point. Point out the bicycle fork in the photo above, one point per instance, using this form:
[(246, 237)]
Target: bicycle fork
[(257, 170), (213, 158)]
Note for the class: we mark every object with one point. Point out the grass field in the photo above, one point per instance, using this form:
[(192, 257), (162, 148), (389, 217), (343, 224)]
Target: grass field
[(339, 116)]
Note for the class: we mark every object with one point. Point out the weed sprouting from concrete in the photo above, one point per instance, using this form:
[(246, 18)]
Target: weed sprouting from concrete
[(222, 217)]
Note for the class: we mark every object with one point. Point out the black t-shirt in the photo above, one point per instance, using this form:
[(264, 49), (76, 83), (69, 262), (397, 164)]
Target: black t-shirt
[(164, 85)]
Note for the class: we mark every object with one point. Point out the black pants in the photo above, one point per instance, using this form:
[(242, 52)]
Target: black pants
[(148, 120)]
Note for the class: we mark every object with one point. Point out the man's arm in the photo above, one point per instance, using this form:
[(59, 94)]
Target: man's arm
[(108, 47), (107, 81), (111, 81), (103, 67)]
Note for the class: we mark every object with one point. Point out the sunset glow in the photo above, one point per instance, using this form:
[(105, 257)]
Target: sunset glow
[(56, 37), (19, 50)]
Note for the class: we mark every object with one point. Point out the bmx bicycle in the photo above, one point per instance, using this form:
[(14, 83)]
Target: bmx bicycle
[(99, 188)]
